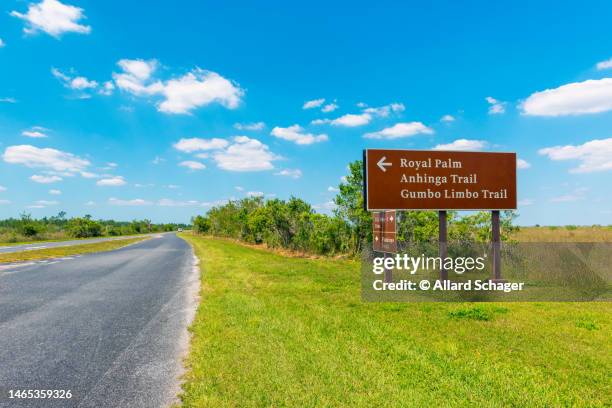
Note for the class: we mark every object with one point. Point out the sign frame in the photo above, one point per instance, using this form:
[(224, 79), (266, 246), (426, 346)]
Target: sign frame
[(366, 184)]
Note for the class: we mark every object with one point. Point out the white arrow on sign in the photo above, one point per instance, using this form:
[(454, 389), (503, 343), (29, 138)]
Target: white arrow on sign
[(381, 163)]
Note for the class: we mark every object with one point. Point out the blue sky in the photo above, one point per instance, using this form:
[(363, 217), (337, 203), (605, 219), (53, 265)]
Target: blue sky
[(134, 109)]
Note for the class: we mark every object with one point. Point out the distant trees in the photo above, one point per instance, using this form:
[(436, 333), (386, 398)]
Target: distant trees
[(293, 224), (25, 228)]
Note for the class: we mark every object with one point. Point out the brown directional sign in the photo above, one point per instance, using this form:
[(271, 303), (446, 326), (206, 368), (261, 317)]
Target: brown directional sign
[(439, 180), (384, 231)]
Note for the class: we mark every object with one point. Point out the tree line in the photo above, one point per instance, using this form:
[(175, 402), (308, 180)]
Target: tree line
[(294, 224), (26, 228)]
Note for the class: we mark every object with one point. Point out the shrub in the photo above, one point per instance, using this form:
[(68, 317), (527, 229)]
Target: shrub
[(84, 228)]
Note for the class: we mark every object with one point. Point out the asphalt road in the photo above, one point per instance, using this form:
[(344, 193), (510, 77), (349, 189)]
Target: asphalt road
[(43, 244), (110, 327)]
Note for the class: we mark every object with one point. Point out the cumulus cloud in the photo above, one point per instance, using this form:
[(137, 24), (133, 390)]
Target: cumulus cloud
[(136, 202), (352, 120), (180, 95), (594, 156), (332, 189), (399, 130), (35, 132), (192, 165), (496, 107), (607, 64), (576, 98), (386, 110), (463, 145), (522, 164), (330, 107), (37, 178), (45, 158), (53, 18), (195, 144), (245, 154), (115, 181), (255, 194), (297, 135), (293, 173), (2, 43), (250, 126), (315, 103), (447, 118)]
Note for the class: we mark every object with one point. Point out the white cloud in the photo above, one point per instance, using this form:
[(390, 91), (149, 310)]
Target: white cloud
[(522, 164), (576, 98), (8, 99), (158, 160), (53, 18), (112, 182), (107, 88), (595, 155), (90, 203), (3, 202), (497, 107), (196, 144), (577, 195), (2, 188), (332, 189), (607, 64), (168, 202), (330, 107), (525, 202), (45, 158), (293, 173), (43, 204), (192, 165), (250, 126), (399, 130), (297, 135), (255, 194), (33, 133), (245, 154), (129, 203), (181, 95), (45, 179), (447, 118), (76, 83), (463, 145), (386, 110), (199, 88), (315, 103), (325, 207), (2, 43), (352, 120), (55, 192)]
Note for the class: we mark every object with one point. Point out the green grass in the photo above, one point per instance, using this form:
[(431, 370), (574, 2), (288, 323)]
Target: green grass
[(277, 331), (59, 252)]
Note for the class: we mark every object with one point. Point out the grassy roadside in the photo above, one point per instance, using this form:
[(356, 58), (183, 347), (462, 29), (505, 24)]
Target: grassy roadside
[(568, 233), (46, 241), (58, 252), (278, 331)]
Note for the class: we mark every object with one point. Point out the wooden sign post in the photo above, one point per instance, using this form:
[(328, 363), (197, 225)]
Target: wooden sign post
[(384, 228), (442, 180)]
